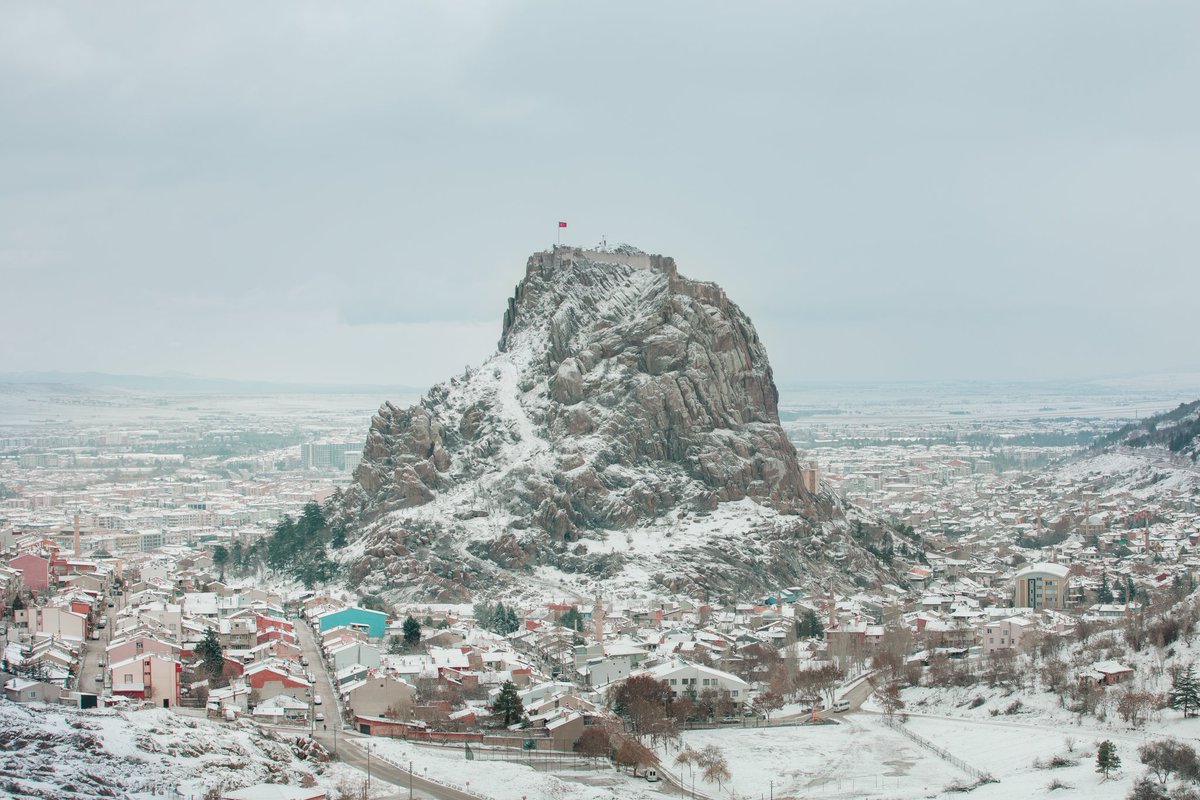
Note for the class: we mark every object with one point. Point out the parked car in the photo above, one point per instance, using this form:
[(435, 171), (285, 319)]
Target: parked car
[(99, 677)]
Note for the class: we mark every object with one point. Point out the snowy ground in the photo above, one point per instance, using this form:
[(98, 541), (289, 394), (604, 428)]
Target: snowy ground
[(858, 758), (864, 759), (500, 780), (1146, 473), (61, 753)]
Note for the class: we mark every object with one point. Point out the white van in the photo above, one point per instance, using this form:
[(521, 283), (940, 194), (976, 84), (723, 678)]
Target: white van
[(316, 699), (840, 706), (652, 775)]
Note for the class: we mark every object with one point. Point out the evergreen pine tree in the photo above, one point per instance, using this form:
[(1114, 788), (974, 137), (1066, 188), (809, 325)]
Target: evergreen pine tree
[(571, 619), (507, 708), (311, 519), (412, 631), (212, 655), (1106, 595), (220, 557), (1185, 692), (483, 616), (499, 617), (1107, 759)]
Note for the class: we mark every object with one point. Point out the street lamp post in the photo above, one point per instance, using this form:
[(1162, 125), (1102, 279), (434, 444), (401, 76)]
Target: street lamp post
[(410, 793), (368, 748)]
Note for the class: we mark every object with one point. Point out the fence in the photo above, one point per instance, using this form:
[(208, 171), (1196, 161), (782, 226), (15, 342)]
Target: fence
[(978, 774), (446, 784)]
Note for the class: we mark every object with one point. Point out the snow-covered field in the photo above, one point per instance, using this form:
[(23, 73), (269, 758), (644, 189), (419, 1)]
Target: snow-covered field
[(862, 758), (858, 758), (501, 780)]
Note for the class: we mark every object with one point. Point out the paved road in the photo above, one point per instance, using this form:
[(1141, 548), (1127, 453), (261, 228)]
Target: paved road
[(348, 745), (323, 685), (92, 652), (858, 695)]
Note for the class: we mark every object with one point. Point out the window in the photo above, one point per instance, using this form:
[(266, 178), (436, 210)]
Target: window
[(128, 678)]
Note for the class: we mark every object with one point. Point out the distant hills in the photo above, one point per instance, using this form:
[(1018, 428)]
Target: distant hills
[(191, 383), (1178, 430)]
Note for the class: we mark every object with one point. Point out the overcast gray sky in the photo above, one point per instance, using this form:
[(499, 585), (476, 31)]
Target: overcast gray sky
[(348, 192)]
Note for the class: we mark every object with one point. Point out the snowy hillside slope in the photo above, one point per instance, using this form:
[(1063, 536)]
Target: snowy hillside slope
[(626, 429), (60, 753), (1177, 431)]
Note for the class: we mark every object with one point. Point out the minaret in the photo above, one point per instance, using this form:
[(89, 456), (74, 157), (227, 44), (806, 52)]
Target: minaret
[(832, 609), (598, 623), (78, 549)]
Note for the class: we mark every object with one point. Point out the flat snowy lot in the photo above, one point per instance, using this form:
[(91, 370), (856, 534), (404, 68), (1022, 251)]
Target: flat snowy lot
[(1008, 750), (858, 758), (862, 758)]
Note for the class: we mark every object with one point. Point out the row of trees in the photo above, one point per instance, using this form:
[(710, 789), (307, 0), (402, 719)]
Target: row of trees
[(650, 709), (497, 618), (297, 547)]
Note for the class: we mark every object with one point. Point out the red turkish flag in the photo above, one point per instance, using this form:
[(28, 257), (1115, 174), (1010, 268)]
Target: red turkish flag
[(562, 224)]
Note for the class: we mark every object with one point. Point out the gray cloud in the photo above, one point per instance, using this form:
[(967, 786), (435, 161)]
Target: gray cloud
[(297, 190)]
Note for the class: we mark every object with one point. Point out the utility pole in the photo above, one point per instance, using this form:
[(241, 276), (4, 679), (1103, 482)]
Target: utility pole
[(410, 793)]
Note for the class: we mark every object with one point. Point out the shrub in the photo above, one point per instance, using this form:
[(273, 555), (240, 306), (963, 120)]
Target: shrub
[(977, 702)]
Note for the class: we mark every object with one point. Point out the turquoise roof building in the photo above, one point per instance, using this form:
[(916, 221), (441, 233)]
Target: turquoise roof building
[(373, 622)]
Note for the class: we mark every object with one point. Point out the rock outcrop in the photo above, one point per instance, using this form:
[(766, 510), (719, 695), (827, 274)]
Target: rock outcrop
[(623, 396), (625, 390)]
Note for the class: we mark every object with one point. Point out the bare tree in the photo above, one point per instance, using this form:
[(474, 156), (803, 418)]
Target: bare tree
[(888, 696)]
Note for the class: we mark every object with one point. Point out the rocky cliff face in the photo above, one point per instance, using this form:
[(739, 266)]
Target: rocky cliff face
[(623, 397), (621, 388)]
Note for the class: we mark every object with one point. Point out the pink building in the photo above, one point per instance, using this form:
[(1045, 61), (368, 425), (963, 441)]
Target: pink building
[(137, 646), (1005, 634), (152, 676), (58, 621), (35, 571)]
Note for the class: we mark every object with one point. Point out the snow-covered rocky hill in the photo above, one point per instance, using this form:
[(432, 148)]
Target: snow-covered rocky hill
[(625, 430), (1177, 431), (58, 753)]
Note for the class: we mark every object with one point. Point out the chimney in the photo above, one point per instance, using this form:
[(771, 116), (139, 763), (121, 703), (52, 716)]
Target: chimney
[(78, 549)]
